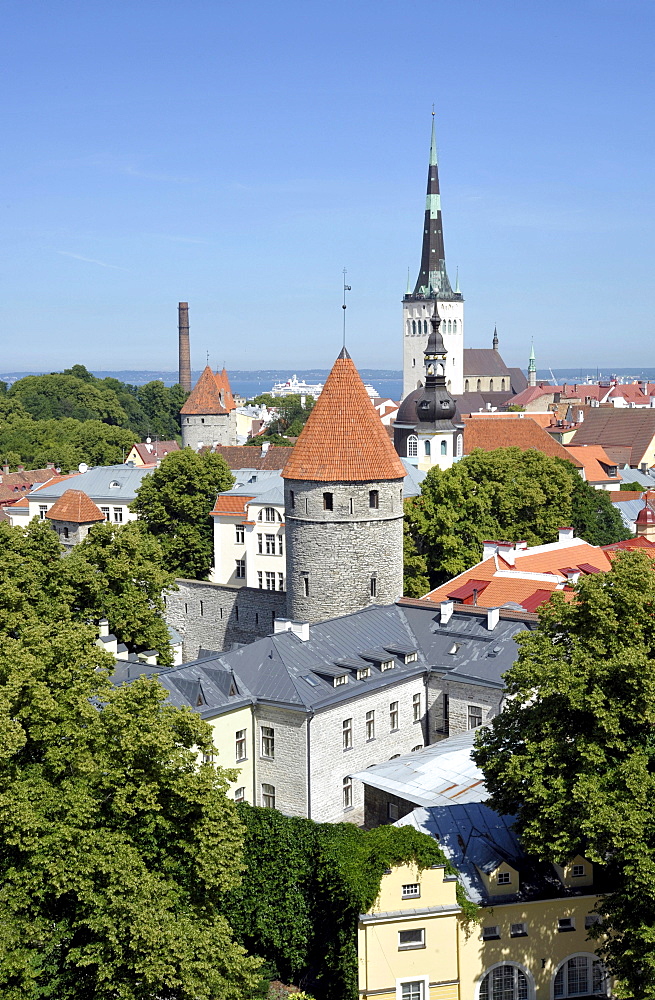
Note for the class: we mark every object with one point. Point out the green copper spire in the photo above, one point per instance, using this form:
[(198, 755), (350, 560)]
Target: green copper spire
[(532, 357), (457, 291), (532, 367)]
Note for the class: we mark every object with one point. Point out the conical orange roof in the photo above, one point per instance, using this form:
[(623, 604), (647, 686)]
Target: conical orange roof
[(211, 394), (75, 506), (344, 439)]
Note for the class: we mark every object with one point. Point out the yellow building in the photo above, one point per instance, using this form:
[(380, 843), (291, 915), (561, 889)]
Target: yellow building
[(414, 944)]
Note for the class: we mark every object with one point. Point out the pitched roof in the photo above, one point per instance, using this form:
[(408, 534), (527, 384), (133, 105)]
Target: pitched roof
[(150, 452), (528, 578), (12, 484), (595, 461), (483, 361), (618, 430), (227, 504), (75, 506), (344, 439), (210, 394), (517, 432), (253, 457)]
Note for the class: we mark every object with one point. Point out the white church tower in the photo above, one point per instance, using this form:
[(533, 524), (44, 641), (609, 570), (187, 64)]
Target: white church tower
[(433, 284)]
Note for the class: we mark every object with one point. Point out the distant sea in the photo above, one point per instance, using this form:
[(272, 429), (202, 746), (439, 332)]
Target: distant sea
[(387, 382)]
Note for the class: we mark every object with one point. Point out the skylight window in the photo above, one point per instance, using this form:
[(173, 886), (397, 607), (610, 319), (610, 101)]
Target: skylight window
[(454, 648)]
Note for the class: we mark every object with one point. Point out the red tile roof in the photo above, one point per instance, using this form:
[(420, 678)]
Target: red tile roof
[(252, 457), (75, 506), (231, 505), (594, 458), (512, 432), (211, 394), (151, 453), (344, 439)]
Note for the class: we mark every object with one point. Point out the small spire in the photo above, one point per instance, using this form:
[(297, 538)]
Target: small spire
[(532, 367), (433, 143), (409, 286), (343, 353), (457, 291), (495, 340)]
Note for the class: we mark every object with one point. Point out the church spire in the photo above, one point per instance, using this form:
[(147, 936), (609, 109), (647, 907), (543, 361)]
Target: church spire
[(494, 342), (435, 406), (433, 280), (532, 367)]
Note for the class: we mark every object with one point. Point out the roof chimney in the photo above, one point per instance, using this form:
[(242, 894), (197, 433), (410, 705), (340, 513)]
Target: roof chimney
[(184, 375), (265, 446), (446, 608), (493, 617), (20, 468), (565, 535), (5, 468), (489, 549)]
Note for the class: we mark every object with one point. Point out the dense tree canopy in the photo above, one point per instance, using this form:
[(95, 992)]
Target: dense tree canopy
[(573, 753), (174, 503), (292, 417), (115, 573), (505, 494), (116, 846), (71, 417)]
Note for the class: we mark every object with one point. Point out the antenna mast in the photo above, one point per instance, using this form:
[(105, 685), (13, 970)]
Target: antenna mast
[(346, 288)]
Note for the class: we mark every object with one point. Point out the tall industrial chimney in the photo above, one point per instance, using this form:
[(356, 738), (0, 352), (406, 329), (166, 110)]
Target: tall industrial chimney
[(184, 350)]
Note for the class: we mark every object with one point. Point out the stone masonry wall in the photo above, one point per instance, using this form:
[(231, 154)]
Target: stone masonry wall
[(215, 616), (460, 696), (338, 552), (207, 429), (376, 807), (287, 770), (330, 763)]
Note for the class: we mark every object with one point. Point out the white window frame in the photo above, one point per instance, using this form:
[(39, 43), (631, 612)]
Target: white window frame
[(526, 972), (239, 534), (579, 954), (118, 515), (240, 569), (267, 739), (416, 707), (347, 734), (412, 446), (241, 740), (423, 980), (405, 894), (413, 946)]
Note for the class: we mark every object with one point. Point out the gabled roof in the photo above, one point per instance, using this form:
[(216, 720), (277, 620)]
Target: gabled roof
[(344, 439), (151, 452), (254, 457), (623, 433), (485, 362), (233, 505), (595, 461), (211, 394), (517, 432), (75, 506), (106, 482)]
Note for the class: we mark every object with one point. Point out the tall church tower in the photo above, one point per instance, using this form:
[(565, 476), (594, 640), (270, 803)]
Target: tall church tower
[(343, 498), (532, 367), (433, 284)]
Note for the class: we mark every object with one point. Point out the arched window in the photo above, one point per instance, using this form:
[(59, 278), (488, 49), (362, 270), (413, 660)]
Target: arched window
[(459, 444), (409, 327), (239, 795), (504, 982), (444, 448), (427, 447), (414, 326), (479, 385), (502, 385), (581, 975), (412, 446), (491, 385), (454, 326), (425, 326), (466, 386)]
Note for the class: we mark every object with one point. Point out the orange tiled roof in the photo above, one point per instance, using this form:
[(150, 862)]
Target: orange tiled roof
[(210, 394), (242, 456), (75, 506), (231, 504), (151, 453), (593, 458), (515, 587), (512, 432), (616, 496), (543, 419), (344, 439)]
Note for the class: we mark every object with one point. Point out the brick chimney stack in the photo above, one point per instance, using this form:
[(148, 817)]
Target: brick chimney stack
[(184, 376)]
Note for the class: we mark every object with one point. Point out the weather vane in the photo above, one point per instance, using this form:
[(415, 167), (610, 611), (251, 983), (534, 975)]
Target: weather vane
[(346, 288)]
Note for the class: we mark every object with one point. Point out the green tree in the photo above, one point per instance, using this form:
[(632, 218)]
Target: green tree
[(593, 516), (174, 504), (416, 582), (63, 395), (633, 487), (573, 753), (118, 573), (505, 494), (117, 846)]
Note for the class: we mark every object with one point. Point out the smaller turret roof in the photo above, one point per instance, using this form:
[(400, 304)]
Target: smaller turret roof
[(75, 506), (344, 439), (211, 394)]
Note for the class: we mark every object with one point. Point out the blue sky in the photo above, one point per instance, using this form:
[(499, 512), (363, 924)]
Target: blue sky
[(239, 154)]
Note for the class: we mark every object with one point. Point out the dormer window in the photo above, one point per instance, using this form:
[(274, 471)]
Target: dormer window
[(410, 657), (387, 665), (504, 878), (363, 673), (114, 485), (342, 679)]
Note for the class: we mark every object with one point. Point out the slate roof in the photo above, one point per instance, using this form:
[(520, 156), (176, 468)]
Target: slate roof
[(344, 439), (96, 483), (618, 430), (285, 670), (505, 432), (211, 394), (75, 506), (485, 362), (436, 775)]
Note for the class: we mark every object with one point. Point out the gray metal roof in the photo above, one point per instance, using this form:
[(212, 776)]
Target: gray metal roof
[(628, 475), (286, 670), (629, 509), (256, 483), (413, 479), (436, 775), (96, 484)]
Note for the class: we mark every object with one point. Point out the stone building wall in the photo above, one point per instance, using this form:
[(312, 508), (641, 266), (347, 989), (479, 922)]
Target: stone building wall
[(332, 555), (216, 617), (459, 697), (381, 807), (208, 429), (330, 763), (287, 772)]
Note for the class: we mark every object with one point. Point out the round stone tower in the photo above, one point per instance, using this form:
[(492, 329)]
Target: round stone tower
[(343, 498)]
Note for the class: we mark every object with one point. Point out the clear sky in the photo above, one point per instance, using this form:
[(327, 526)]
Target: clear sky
[(239, 154)]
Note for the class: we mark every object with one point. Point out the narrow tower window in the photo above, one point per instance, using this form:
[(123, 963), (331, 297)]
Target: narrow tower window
[(292, 499), (305, 585), (444, 448), (413, 326), (412, 446), (374, 499), (425, 326), (328, 501), (502, 385), (491, 385), (466, 386), (374, 587), (479, 385), (427, 447)]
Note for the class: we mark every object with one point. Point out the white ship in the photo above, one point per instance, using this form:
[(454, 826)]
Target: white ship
[(294, 387)]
